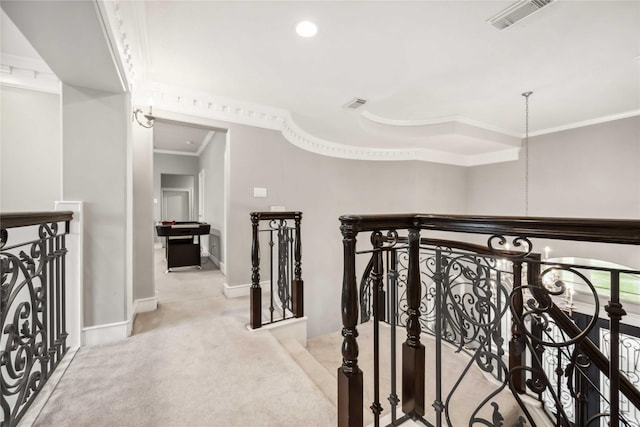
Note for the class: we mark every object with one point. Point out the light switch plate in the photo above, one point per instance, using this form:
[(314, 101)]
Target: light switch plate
[(259, 192), (277, 208)]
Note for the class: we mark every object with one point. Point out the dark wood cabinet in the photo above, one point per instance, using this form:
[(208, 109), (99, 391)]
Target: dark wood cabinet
[(182, 242)]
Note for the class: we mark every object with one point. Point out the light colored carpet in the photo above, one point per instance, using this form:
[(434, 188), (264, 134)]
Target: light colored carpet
[(190, 363)]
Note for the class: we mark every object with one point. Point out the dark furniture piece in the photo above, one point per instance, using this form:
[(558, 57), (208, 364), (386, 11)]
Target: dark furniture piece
[(182, 242)]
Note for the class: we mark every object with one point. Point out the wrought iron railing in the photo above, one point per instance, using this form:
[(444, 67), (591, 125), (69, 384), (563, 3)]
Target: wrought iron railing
[(32, 306), (504, 308), (281, 232)]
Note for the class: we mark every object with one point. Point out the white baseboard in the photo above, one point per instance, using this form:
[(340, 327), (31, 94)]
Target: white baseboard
[(215, 260), (158, 245), (145, 304), (237, 291), (103, 334), (295, 328)]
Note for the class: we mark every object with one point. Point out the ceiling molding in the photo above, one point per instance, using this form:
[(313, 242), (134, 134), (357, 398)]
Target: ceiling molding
[(596, 121), (187, 101), (125, 31), (453, 119), (114, 45), (28, 73), (205, 141), (199, 104), (175, 153)]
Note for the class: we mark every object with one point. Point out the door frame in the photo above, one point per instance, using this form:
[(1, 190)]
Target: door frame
[(164, 203)]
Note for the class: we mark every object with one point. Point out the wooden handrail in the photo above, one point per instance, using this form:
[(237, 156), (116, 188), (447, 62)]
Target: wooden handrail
[(24, 219), (260, 216), (623, 231)]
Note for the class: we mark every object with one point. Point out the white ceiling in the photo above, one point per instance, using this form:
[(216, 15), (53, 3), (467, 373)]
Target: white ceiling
[(178, 137), (436, 75)]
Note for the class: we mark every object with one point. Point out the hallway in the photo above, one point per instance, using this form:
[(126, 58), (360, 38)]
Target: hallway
[(192, 362)]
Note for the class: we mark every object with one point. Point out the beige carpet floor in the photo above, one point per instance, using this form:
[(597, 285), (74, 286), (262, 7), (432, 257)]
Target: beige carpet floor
[(190, 363)]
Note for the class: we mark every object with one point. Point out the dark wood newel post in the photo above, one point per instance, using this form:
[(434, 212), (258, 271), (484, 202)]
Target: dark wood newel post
[(349, 374), (412, 349), (298, 284), (255, 294)]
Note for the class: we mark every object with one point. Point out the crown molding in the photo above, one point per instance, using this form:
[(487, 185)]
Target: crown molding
[(199, 104), (124, 29), (205, 141), (196, 103), (175, 152), (28, 73), (590, 122), (443, 120)]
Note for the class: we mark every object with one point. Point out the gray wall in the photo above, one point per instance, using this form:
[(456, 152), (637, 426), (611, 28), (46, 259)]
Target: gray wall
[(212, 161), (142, 201), (95, 171), (593, 171), (324, 188), (30, 150), (177, 181), (174, 165)]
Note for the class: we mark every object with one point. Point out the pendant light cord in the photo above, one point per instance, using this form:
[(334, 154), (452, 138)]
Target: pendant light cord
[(526, 154)]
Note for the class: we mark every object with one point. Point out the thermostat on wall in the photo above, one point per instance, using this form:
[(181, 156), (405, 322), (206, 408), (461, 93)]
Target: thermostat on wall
[(259, 192)]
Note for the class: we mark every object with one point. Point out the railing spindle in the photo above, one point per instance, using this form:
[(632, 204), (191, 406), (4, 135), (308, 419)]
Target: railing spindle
[(413, 352), (438, 279), (392, 283), (516, 353), (376, 276), (615, 311)]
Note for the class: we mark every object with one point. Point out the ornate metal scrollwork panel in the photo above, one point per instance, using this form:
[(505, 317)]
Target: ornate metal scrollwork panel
[(32, 336)]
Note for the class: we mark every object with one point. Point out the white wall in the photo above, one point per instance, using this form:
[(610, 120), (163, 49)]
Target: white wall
[(30, 150)]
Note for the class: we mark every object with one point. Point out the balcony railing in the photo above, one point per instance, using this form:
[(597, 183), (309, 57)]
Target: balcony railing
[(281, 232), (504, 307), (32, 306)]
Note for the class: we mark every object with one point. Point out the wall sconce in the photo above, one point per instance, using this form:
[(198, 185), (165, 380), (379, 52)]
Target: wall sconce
[(149, 117)]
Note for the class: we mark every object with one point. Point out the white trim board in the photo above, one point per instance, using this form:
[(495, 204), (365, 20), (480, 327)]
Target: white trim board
[(112, 332), (144, 305), (237, 291), (104, 334)]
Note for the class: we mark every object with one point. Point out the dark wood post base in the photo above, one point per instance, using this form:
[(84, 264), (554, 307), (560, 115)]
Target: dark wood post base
[(255, 303), (413, 380), (349, 399), (297, 297)]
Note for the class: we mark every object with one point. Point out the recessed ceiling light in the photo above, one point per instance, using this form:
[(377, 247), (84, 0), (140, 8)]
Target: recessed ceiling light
[(306, 29)]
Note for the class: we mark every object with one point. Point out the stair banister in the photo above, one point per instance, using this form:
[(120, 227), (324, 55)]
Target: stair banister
[(521, 229)]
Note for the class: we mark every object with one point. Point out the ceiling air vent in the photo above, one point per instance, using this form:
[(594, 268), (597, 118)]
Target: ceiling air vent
[(516, 12), (355, 103)]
